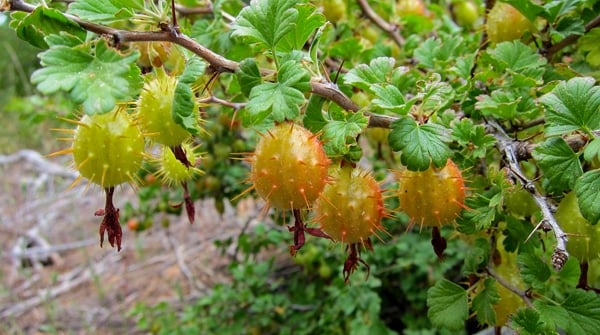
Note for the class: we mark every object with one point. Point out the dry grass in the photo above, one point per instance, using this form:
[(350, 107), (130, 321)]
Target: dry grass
[(55, 278)]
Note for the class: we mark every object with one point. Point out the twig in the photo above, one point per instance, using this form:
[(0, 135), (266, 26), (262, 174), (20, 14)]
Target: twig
[(39, 163), (390, 29), (231, 104), (507, 146), (551, 51)]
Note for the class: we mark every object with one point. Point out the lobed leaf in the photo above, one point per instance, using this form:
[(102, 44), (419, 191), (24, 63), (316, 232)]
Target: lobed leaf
[(572, 105), (588, 195), (105, 11), (266, 21), (378, 71), (421, 145), (484, 301), (448, 305), (35, 26), (533, 270), (183, 110), (558, 162), (97, 78)]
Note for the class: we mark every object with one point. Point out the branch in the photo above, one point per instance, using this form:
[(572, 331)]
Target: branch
[(508, 146), (551, 51), (390, 29), (509, 286)]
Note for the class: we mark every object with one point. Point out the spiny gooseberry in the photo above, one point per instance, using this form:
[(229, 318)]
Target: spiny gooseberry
[(172, 171), (506, 23), (289, 167), (154, 110), (506, 267), (108, 148), (350, 211), (433, 197), (350, 208)]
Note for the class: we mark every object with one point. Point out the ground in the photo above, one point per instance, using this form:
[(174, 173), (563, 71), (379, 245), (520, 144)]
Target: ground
[(55, 278)]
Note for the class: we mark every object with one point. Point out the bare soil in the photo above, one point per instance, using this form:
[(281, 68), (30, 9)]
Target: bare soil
[(55, 278)]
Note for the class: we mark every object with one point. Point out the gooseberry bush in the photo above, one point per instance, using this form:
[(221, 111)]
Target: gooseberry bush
[(450, 147)]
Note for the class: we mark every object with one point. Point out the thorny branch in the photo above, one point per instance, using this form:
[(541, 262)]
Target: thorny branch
[(391, 29), (551, 51), (508, 146), (513, 289)]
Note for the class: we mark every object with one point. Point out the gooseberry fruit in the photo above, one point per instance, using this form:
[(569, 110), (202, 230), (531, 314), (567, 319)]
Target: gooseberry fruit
[(506, 23), (350, 211), (520, 202), (465, 13), (154, 110), (584, 237), (411, 7), (172, 171), (507, 269), (108, 148), (350, 208), (289, 167), (334, 10), (433, 197)]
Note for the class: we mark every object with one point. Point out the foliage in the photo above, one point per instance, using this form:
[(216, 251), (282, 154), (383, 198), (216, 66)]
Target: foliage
[(518, 115)]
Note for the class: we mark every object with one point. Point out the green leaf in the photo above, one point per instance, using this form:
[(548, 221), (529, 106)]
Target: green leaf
[(448, 305), (280, 100), (528, 8), (533, 270), (589, 43), (560, 165), (338, 135), (97, 78), (484, 301), (389, 98), (572, 105), (588, 195), (437, 49), (308, 20), (477, 257), (481, 213), (421, 145), (184, 107), (378, 71), (557, 8), (526, 321), (583, 312), (592, 151), (518, 58), (314, 120), (266, 21), (248, 75), (435, 94), (43, 21), (501, 104), (105, 11)]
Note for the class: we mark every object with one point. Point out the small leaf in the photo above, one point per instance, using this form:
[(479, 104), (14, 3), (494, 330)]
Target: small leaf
[(572, 105), (248, 75), (363, 76), (105, 11), (43, 21), (421, 145), (97, 78), (338, 135), (560, 165), (389, 98), (588, 195), (501, 104), (280, 100), (183, 110), (308, 20), (589, 43), (480, 216), (583, 312), (477, 257), (266, 21), (518, 58), (484, 301), (533, 270), (448, 306), (313, 117), (527, 322)]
